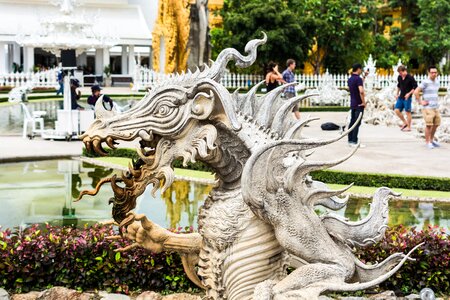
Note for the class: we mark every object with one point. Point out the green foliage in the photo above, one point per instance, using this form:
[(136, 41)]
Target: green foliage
[(388, 180), (119, 152), (83, 259), (244, 20), (327, 176), (107, 70), (431, 267), (43, 256), (324, 108), (131, 153), (341, 30), (432, 39)]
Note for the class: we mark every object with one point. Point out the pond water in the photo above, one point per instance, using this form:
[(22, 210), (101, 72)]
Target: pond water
[(43, 191), (11, 116)]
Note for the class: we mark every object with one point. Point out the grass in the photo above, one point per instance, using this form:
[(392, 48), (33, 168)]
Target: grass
[(355, 189)]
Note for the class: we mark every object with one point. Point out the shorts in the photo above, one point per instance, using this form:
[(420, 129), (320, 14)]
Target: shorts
[(431, 116), (289, 95), (403, 104)]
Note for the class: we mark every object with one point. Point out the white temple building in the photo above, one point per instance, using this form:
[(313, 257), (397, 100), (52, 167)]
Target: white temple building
[(102, 32)]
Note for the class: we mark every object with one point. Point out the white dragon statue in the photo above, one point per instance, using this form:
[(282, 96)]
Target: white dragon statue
[(259, 219)]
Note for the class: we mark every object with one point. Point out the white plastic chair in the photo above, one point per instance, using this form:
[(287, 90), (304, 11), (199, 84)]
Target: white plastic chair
[(35, 118)]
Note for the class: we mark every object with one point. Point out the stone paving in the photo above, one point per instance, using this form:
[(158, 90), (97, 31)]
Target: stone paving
[(388, 150)]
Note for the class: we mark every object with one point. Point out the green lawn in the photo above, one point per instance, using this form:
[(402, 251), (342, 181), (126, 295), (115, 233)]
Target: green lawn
[(355, 189)]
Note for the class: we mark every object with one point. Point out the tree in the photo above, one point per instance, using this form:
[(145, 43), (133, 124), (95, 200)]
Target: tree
[(341, 29), (432, 39), (244, 20)]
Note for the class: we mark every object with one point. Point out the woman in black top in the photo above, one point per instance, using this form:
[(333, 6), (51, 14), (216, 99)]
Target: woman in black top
[(273, 77)]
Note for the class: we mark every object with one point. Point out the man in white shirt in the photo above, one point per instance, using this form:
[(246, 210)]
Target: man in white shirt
[(430, 105)]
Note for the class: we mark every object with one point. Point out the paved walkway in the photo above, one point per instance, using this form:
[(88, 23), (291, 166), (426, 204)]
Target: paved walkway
[(388, 150)]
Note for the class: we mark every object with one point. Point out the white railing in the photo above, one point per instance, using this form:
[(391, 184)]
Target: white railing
[(46, 79), (145, 78)]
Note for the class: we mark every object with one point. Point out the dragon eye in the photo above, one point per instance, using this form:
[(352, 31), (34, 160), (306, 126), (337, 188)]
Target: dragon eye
[(164, 109)]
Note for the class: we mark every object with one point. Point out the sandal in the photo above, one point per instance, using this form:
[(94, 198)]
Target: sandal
[(403, 127), (406, 129)]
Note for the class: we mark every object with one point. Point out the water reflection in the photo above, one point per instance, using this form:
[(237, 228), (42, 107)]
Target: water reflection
[(409, 213), (43, 191), (177, 201)]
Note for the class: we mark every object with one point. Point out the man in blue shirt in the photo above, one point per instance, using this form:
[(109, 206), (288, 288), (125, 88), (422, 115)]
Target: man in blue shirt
[(289, 92), (357, 102)]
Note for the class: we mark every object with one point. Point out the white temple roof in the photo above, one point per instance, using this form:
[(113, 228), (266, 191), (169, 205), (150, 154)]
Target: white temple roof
[(116, 17)]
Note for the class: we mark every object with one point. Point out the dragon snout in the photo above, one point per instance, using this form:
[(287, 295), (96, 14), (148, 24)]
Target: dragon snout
[(95, 144)]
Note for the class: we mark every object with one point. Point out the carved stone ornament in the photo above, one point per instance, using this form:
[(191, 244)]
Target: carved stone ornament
[(259, 218)]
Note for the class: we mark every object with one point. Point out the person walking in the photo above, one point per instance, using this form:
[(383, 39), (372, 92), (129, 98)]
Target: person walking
[(289, 92), (430, 105), (60, 77), (273, 77), (357, 103), (405, 89)]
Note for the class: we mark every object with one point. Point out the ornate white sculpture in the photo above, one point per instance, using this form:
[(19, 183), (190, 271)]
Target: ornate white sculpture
[(67, 31), (327, 92), (370, 66), (260, 217)]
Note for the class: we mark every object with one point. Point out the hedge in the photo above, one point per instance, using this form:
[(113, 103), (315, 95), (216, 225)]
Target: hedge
[(388, 180), (325, 108), (131, 153), (44, 256), (329, 176)]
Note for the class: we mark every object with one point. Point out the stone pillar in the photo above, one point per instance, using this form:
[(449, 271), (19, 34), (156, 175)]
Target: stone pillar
[(131, 60), (124, 61), (98, 61), (3, 57), (10, 60), (16, 54), (82, 59), (106, 60), (28, 57), (150, 58)]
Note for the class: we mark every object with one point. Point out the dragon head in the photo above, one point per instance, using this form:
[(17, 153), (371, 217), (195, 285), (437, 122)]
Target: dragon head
[(174, 120)]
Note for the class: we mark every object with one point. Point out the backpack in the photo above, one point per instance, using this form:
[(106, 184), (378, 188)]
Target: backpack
[(330, 126)]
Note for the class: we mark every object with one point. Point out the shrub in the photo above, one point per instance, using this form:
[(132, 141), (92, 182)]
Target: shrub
[(82, 259), (45, 256), (431, 268), (131, 153), (328, 176), (388, 180)]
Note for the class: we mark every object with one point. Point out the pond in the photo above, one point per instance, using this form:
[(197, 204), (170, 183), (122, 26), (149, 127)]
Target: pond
[(11, 116), (43, 191)]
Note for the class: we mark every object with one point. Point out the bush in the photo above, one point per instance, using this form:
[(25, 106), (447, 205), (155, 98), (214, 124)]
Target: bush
[(131, 153), (431, 268), (82, 259), (44, 256), (388, 180)]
